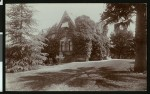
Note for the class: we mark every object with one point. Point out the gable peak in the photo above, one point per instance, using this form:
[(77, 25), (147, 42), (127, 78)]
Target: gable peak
[(65, 14)]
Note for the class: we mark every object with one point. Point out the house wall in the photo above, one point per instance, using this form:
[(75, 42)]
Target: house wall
[(71, 56)]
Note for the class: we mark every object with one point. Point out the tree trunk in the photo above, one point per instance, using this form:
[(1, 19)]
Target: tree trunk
[(141, 38)]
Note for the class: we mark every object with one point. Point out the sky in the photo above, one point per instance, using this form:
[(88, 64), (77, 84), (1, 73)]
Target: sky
[(50, 14)]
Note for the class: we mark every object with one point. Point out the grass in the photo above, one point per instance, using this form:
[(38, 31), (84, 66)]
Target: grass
[(91, 78)]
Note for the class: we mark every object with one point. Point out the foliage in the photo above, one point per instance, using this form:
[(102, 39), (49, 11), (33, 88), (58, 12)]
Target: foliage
[(122, 13), (52, 47), (118, 12), (23, 47), (84, 38), (85, 28), (100, 47), (96, 51), (123, 45), (78, 45), (96, 44)]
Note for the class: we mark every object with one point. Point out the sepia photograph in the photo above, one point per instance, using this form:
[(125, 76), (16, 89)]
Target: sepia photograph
[(76, 47)]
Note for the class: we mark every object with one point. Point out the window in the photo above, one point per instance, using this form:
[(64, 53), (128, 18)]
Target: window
[(70, 46), (66, 45), (65, 24), (62, 46)]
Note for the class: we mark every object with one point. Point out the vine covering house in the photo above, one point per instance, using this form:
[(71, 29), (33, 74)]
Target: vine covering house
[(63, 42)]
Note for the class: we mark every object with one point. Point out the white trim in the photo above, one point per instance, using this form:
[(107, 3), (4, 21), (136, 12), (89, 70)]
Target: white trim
[(1, 33)]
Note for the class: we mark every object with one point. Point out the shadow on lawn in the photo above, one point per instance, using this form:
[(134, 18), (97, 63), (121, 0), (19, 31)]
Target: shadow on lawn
[(75, 78)]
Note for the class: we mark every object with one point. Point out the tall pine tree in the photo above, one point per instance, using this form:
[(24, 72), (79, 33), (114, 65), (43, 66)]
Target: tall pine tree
[(23, 47)]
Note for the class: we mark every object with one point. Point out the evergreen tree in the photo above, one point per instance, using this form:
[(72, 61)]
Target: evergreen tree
[(24, 48), (122, 44), (96, 51)]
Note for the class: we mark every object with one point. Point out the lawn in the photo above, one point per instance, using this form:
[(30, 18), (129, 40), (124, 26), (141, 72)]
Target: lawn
[(105, 75)]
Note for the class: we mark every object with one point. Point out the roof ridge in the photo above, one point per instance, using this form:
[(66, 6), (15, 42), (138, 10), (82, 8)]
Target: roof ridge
[(65, 15)]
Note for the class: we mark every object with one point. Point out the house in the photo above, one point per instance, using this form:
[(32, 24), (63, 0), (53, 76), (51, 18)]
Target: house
[(65, 48)]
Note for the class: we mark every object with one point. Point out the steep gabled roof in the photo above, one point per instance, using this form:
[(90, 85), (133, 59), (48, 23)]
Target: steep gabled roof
[(65, 18)]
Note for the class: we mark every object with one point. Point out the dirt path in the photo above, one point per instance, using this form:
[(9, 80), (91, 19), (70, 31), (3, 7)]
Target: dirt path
[(79, 76)]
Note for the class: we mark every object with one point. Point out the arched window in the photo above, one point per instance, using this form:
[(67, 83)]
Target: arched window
[(66, 45), (60, 45), (70, 46), (63, 46)]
